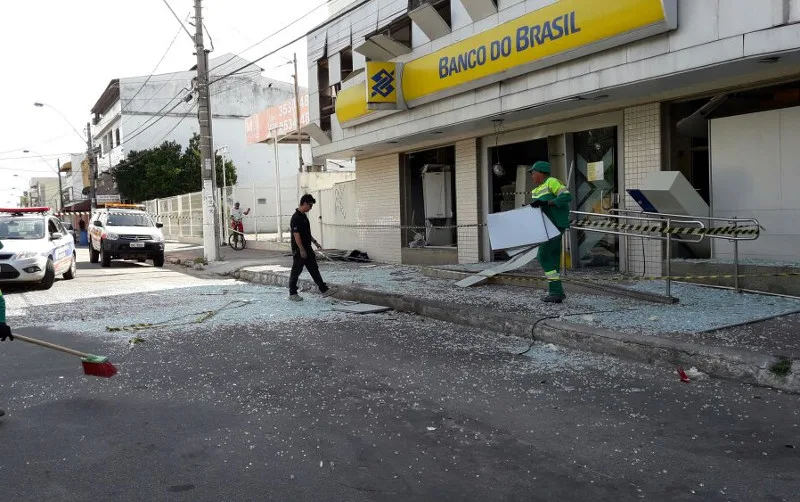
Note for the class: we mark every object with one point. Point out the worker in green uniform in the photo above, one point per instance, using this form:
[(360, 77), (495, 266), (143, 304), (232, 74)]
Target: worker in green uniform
[(5, 331), (553, 198)]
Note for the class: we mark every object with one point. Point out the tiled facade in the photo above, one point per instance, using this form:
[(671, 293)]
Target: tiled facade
[(642, 152), (467, 206), (377, 189)]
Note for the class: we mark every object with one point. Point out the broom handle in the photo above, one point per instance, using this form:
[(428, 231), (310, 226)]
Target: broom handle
[(50, 345)]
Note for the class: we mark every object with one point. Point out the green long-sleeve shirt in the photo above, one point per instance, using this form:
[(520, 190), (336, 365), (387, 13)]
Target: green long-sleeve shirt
[(552, 190)]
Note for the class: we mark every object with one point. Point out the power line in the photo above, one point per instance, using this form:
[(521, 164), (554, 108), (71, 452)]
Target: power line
[(177, 96), (34, 157), (141, 131), (272, 35), (179, 20), (334, 18), (152, 73), (149, 78)]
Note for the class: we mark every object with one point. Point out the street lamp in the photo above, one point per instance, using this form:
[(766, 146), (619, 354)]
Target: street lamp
[(89, 152), (42, 105), (58, 173)]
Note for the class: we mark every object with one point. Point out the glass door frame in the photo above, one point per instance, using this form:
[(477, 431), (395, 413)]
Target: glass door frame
[(520, 132)]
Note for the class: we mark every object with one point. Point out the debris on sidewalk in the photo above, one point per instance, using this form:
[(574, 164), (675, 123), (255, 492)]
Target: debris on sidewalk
[(695, 374), (361, 308)]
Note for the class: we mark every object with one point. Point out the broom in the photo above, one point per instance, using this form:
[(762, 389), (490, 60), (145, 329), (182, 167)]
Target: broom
[(92, 365)]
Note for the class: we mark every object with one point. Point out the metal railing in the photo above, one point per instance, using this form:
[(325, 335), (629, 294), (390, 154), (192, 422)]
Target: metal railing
[(664, 223)]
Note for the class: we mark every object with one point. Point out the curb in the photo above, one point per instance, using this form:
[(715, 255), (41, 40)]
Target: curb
[(721, 362)]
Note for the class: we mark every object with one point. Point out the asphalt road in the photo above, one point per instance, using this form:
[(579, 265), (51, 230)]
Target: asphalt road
[(233, 393)]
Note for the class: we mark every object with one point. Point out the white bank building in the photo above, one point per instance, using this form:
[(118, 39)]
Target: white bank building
[(445, 103)]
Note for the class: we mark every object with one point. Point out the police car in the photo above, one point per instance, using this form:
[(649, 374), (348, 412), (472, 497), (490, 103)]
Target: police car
[(36, 247), (125, 231)]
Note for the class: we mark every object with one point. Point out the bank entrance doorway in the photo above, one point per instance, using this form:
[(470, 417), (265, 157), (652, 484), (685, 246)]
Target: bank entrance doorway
[(595, 190)]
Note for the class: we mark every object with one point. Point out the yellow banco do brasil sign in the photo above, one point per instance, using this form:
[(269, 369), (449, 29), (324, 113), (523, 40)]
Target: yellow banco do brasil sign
[(556, 29), (559, 32)]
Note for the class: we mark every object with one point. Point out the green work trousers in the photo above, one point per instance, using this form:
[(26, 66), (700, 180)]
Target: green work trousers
[(550, 259)]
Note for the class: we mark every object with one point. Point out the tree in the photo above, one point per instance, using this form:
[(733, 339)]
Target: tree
[(194, 166), (165, 171)]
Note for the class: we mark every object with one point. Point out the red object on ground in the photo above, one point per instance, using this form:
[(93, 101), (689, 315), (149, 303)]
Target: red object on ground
[(105, 370), (683, 375)]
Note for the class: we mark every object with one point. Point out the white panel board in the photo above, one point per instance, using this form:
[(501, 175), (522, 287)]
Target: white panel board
[(526, 226), (754, 175), (518, 261)]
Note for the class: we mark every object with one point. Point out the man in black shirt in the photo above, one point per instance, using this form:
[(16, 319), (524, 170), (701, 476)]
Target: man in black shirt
[(302, 253)]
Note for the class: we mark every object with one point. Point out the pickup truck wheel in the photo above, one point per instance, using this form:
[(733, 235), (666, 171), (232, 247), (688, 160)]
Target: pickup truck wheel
[(94, 256), (158, 261), (105, 258)]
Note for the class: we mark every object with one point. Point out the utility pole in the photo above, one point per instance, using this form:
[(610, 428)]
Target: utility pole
[(210, 238), (90, 157), (278, 202), (60, 188), (297, 116)]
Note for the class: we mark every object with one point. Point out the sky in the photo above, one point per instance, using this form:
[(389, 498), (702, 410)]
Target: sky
[(65, 53)]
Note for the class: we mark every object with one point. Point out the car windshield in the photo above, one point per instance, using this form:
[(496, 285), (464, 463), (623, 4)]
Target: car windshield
[(21, 228), (129, 220)]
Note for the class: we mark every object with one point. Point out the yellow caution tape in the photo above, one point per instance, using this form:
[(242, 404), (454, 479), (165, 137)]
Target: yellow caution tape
[(730, 230)]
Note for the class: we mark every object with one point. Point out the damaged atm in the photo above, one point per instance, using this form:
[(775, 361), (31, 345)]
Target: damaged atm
[(670, 193)]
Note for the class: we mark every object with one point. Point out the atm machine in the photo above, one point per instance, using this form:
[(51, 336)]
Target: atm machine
[(669, 192)]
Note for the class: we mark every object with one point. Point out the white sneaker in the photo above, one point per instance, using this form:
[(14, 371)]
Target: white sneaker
[(295, 298)]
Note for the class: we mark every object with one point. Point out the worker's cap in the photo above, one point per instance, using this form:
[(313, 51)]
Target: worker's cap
[(540, 167)]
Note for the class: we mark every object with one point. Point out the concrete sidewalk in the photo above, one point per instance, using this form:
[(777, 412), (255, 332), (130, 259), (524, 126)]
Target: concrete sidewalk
[(719, 332)]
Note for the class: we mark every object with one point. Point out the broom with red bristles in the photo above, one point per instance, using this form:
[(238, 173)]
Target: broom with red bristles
[(93, 365)]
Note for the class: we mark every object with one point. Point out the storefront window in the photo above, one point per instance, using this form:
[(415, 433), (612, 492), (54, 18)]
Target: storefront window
[(428, 198)]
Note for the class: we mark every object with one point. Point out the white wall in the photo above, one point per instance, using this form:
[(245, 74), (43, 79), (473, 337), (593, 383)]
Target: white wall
[(337, 207), (755, 173)]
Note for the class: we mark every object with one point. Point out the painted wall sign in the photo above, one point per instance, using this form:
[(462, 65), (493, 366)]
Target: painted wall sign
[(260, 126)]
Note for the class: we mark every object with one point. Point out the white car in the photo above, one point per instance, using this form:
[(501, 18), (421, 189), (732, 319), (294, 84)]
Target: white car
[(36, 247), (120, 231)]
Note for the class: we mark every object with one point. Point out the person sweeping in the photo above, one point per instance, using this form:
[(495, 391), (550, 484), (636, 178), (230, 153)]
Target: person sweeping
[(553, 198)]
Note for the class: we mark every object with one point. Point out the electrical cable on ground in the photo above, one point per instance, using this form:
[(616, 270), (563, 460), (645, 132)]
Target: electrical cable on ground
[(533, 328), (203, 317)]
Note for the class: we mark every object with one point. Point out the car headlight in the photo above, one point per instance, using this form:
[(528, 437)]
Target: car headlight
[(27, 254), (112, 236), (158, 238)]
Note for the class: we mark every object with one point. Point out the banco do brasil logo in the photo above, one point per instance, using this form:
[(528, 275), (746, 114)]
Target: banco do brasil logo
[(383, 83)]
